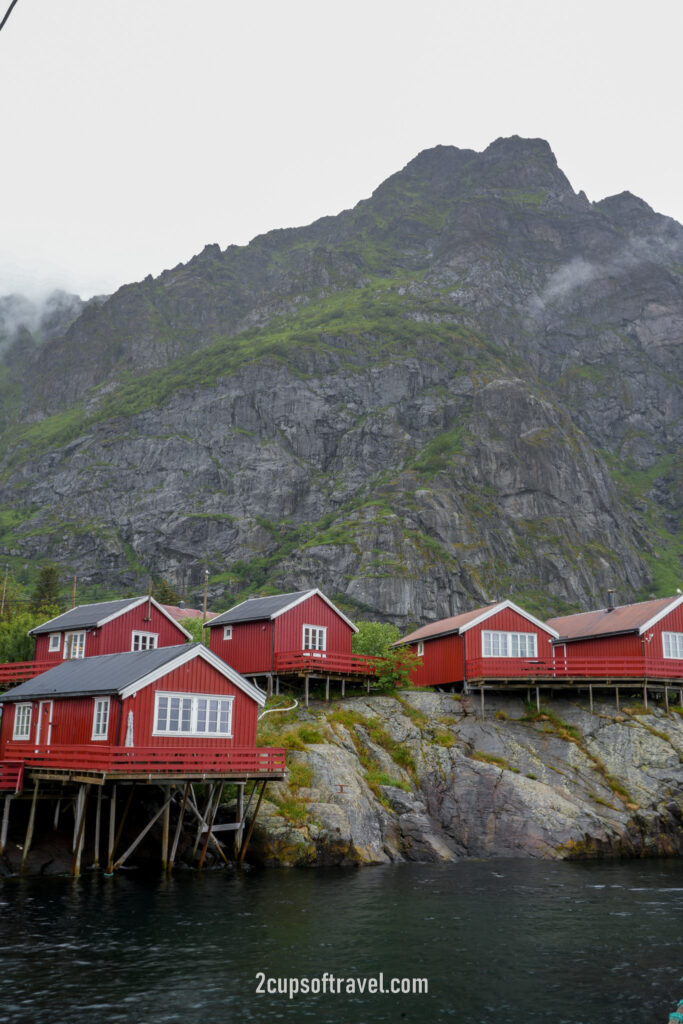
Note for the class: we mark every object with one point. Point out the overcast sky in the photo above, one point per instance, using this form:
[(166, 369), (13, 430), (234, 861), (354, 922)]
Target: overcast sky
[(135, 132)]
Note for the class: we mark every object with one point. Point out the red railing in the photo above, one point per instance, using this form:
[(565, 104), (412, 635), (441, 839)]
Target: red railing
[(575, 668), (321, 662), (14, 672), (11, 775), (155, 760)]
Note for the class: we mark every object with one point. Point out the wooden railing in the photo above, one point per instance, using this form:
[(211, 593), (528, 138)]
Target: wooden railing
[(569, 667), (155, 760), (11, 776), (321, 662), (14, 672)]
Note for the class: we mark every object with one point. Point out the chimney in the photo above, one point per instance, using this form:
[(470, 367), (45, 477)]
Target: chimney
[(181, 604), (610, 601)]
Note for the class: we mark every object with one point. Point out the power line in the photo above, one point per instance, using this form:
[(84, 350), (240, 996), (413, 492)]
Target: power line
[(9, 11)]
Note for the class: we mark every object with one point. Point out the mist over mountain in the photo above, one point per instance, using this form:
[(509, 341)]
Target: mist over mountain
[(466, 387)]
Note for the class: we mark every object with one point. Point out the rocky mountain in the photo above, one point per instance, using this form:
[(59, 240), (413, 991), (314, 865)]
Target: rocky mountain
[(466, 387)]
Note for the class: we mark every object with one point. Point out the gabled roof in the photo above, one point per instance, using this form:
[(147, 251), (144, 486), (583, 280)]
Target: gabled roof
[(90, 616), (255, 608), (625, 618), (461, 623), (122, 674)]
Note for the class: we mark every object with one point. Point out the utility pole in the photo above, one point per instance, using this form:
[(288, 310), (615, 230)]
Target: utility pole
[(206, 587), (73, 594), (4, 591)]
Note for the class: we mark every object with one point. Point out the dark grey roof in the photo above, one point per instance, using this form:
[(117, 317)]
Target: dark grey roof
[(106, 673), (84, 616), (258, 608)]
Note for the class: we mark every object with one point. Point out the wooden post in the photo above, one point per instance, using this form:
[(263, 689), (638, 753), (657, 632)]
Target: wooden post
[(538, 699), (78, 811), (178, 830), (239, 833), (98, 822), (645, 696), (616, 690), (112, 830), (277, 686), (31, 822), (164, 836), (134, 845), (5, 823), (666, 699), (306, 690), (368, 686), (119, 833), (209, 825), (55, 820), (203, 818), (193, 807), (247, 838), (78, 852), (269, 685), (680, 697), (327, 688), (590, 697), (343, 687), (481, 694)]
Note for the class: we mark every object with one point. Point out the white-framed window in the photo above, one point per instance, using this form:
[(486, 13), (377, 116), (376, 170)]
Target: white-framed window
[(185, 714), (420, 648), (672, 645), (314, 638), (143, 641), (22, 722), (55, 642), (495, 644), (74, 644), (227, 632), (100, 718)]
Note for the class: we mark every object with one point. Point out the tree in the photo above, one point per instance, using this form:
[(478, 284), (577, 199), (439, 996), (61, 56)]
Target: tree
[(397, 668), (374, 638), (15, 643), (165, 593), (12, 595), (46, 589), (194, 628)]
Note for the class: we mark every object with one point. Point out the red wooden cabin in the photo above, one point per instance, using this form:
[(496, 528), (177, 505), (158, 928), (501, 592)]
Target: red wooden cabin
[(498, 641), (643, 640), (179, 709), (286, 634)]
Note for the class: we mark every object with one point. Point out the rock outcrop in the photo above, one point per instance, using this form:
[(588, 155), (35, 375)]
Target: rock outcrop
[(422, 778)]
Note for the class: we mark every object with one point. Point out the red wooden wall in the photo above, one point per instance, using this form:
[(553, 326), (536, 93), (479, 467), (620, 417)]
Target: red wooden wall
[(116, 636), (249, 650), (628, 645), (441, 662), (507, 621), (312, 612)]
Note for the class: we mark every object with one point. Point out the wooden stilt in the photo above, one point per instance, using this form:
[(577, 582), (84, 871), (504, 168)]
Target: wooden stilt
[(178, 829), (31, 823), (645, 696), (119, 831), (80, 837), (306, 690), (134, 845), (590, 698), (368, 685), (239, 833), (680, 697), (164, 836), (78, 811), (195, 810), (5, 823), (277, 686), (481, 694), (55, 820), (112, 830), (616, 690), (666, 699), (269, 686), (202, 820), (327, 688), (538, 699), (98, 823), (247, 838), (343, 687), (209, 826)]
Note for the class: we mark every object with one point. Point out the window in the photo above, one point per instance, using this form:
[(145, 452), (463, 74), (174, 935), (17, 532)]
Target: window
[(508, 645), (100, 719), (144, 641), (189, 715), (55, 642), (420, 648), (315, 638), (74, 645), (227, 632), (22, 722), (672, 645)]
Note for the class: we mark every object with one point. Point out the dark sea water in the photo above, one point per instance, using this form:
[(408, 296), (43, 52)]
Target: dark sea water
[(503, 942)]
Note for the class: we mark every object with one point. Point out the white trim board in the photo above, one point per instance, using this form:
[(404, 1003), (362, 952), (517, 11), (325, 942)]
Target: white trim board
[(182, 659), (675, 602), (500, 608)]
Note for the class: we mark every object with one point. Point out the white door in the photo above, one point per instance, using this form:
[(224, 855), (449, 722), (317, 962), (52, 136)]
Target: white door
[(44, 726)]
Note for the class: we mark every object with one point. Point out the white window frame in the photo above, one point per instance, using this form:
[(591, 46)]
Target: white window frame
[(140, 634), (672, 645), (55, 642), (505, 644), (309, 634), (192, 714), (227, 632), (420, 648), (100, 718), (23, 715), (69, 640)]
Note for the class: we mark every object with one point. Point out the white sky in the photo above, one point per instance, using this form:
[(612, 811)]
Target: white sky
[(135, 132)]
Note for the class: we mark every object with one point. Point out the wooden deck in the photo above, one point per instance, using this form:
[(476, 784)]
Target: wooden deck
[(324, 663), (611, 671)]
